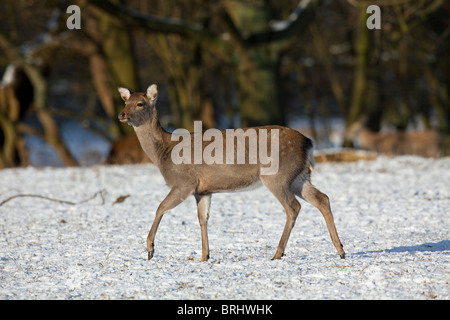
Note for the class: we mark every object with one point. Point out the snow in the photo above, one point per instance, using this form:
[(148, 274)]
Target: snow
[(392, 215)]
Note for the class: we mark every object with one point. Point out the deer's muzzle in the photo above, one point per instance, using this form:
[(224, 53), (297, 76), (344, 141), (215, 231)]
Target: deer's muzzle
[(123, 117)]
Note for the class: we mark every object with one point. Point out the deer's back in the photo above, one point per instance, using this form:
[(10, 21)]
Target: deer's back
[(290, 153)]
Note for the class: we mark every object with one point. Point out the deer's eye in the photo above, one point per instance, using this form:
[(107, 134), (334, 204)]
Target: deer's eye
[(140, 104)]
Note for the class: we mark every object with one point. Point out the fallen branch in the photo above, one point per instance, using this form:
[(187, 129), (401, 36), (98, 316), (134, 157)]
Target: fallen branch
[(101, 193)]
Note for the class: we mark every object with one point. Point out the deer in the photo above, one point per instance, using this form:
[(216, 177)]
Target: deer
[(202, 180), (425, 143)]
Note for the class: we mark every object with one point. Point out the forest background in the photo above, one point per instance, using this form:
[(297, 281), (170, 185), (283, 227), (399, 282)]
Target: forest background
[(229, 63)]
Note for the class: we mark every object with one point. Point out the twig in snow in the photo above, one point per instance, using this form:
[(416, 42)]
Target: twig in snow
[(101, 193)]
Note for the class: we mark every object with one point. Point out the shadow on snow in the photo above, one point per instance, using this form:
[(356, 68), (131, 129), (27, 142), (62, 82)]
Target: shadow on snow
[(443, 245)]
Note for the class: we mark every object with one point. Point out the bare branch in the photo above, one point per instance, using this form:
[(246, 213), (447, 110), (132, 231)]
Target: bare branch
[(280, 30), (158, 24), (101, 193), (297, 21)]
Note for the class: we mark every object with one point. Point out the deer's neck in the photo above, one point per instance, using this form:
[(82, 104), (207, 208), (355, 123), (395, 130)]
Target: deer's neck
[(154, 140)]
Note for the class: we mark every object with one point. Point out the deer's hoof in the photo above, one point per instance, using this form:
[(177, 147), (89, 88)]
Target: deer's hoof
[(278, 256)]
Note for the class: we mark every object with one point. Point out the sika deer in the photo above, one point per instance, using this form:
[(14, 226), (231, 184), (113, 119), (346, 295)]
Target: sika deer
[(202, 179), (422, 143)]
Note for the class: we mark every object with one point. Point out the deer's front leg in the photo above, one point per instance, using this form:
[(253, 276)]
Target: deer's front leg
[(174, 198)]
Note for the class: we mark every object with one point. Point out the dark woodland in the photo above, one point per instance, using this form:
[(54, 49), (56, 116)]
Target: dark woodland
[(229, 63)]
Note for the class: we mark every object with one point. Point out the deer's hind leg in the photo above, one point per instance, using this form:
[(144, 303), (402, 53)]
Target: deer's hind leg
[(292, 207), (303, 188)]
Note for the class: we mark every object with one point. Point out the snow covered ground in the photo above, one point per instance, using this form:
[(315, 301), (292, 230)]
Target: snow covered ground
[(392, 215)]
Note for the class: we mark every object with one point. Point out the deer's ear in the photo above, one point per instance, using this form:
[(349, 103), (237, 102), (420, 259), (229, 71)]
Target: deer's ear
[(124, 93), (152, 93)]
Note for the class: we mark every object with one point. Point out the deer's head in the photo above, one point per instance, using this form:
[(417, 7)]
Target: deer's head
[(139, 107)]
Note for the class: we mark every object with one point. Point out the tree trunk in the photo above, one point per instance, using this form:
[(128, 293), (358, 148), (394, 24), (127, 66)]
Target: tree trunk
[(257, 80), (117, 47), (362, 48), (440, 98), (256, 67), (323, 54), (8, 138), (51, 130), (185, 72)]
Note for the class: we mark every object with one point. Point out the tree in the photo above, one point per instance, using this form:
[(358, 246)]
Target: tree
[(253, 51), (113, 64), (40, 89)]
